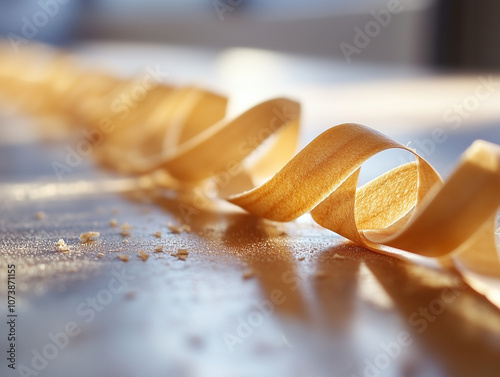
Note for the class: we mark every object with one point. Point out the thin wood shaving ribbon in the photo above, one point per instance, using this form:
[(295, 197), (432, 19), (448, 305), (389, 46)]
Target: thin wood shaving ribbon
[(182, 131)]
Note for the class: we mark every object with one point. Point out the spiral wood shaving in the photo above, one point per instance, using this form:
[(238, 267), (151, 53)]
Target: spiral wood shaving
[(182, 130)]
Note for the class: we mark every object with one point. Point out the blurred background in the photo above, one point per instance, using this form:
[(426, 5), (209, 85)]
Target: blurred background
[(456, 34)]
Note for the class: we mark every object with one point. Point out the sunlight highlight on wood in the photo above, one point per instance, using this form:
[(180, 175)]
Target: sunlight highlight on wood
[(183, 131)]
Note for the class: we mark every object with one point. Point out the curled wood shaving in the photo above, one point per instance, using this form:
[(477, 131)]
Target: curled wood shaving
[(182, 131)]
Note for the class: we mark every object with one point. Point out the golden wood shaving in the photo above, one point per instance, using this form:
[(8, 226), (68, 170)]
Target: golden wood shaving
[(408, 209)]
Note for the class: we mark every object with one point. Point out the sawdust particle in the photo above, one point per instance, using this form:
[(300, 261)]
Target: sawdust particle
[(87, 236), (143, 255), (62, 246), (123, 258)]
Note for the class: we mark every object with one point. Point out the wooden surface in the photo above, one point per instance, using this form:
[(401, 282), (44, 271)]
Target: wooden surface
[(337, 311)]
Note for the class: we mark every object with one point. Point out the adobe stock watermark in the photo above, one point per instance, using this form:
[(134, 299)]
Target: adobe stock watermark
[(389, 351), (372, 29), (86, 312), (202, 195), (426, 146), (120, 109), (484, 90), (419, 319), (224, 6), (247, 325), (456, 114), (30, 26)]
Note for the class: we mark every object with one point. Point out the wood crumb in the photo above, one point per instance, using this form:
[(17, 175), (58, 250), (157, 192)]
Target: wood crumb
[(40, 215), (174, 228), (100, 255), (338, 256), (88, 236), (301, 258), (157, 234), (143, 255), (125, 241), (248, 274), (113, 223), (181, 254), (321, 274), (158, 249), (123, 257), (125, 227), (178, 229), (62, 246)]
